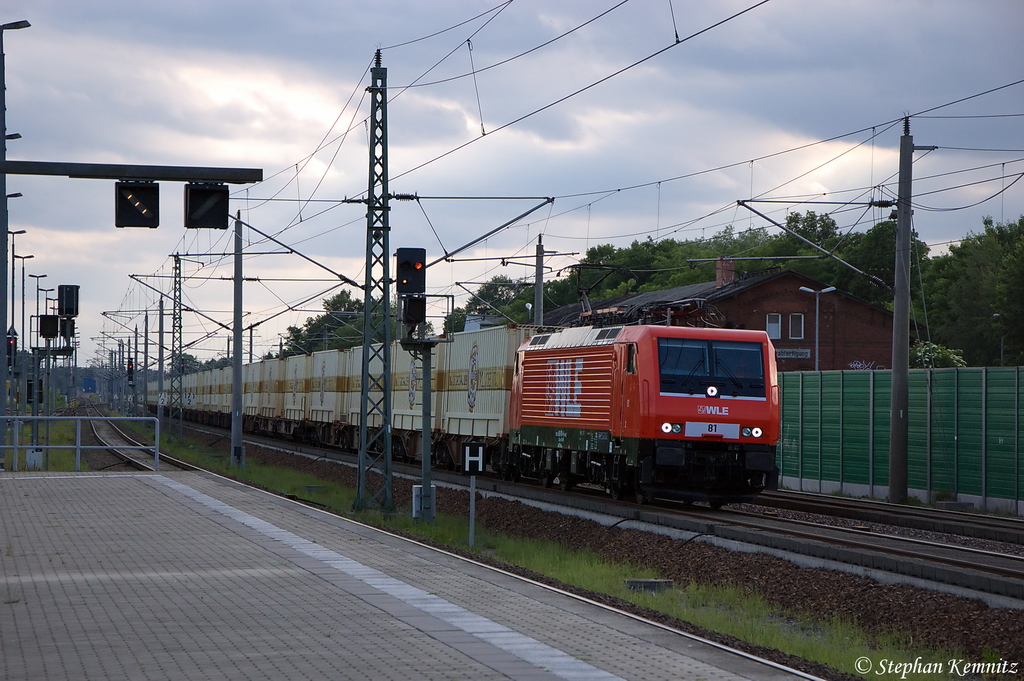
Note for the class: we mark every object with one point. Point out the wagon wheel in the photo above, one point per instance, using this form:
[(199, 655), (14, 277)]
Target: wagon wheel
[(399, 451), (443, 456), (564, 482), (642, 497), (616, 492), (545, 478)]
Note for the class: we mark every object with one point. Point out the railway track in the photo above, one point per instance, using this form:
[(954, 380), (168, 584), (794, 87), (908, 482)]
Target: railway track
[(124, 445), (965, 524), (994, 569)]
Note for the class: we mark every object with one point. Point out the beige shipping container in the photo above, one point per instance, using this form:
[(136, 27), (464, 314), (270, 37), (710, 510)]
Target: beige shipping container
[(355, 386), (407, 388), (296, 386), (191, 388), (250, 388), (271, 389), (476, 381), (327, 385), (221, 389), (349, 380)]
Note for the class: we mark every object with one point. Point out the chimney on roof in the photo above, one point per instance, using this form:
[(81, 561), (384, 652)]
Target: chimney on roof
[(725, 271)]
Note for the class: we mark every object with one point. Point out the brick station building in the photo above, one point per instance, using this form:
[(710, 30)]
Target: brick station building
[(852, 333)]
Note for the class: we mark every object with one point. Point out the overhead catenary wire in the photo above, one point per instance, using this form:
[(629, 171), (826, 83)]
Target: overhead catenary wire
[(659, 226)]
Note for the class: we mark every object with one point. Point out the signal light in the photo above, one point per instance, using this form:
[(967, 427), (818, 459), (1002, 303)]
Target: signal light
[(131, 372), (414, 310), (67, 300), (49, 326), (137, 204), (12, 348), (412, 270), (206, 206)]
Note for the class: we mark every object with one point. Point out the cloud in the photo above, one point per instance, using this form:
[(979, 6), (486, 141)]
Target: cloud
[(263, 85)]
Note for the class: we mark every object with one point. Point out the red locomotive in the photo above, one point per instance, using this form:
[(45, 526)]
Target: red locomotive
[(655, 411)]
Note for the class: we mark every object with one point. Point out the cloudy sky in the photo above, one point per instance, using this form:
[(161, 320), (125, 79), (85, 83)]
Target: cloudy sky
[(643, 119)]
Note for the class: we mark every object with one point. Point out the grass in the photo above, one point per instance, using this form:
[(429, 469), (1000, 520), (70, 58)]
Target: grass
[(726, 610), (57, 459), (730, 610)]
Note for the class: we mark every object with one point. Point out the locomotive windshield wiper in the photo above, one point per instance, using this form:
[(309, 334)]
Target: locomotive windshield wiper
[(719, 364), (697, 365)]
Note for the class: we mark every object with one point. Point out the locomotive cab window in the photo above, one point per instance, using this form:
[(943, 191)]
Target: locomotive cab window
[(689, 366), (683, 364)]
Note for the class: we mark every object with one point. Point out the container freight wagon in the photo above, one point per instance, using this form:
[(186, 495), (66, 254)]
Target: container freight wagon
[(327, 414), (473, 391), (407, 402), (670, 412)]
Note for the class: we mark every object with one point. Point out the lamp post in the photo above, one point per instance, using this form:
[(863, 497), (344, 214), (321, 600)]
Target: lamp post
[(37, 277), (35, 366), (817, 299), (23, 258), (4, 218), (11, 330), (13, 256), (17, 362)]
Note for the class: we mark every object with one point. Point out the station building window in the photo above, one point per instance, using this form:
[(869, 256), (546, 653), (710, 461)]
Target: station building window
[(773, 325), (796, 326)]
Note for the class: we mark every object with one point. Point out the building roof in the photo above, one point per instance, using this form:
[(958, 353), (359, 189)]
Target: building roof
[(693, 299)]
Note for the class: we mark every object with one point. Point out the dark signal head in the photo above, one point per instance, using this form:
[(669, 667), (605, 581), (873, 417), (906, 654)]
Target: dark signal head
[(412, 271)]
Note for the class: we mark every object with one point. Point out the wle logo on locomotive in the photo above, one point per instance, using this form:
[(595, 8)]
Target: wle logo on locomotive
[(564, 387)]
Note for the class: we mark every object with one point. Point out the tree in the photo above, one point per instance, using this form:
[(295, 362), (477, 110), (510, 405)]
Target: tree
[(341, 326), (933, 356), (496, 297), (498, 292), (973, 302), (1010, 322)]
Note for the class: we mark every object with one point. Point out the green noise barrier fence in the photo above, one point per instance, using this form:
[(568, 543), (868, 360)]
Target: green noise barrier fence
[(964, 434)]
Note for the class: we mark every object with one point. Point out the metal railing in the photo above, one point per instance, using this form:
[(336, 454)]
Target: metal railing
[(17, 422)]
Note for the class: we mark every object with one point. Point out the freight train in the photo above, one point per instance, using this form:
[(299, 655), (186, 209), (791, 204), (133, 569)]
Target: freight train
[(672, 412)]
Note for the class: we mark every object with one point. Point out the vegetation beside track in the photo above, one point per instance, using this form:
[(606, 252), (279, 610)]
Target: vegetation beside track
[(751, 601)]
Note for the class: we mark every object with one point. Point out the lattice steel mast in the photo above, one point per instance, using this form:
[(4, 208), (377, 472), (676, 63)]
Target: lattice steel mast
[(174, 396), (375, 393)]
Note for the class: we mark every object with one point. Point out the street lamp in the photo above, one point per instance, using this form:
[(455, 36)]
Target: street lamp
[(17, 363), (4, 218), (37, 277), (13, 256), (11, 331), (817, 299), (22, 258)]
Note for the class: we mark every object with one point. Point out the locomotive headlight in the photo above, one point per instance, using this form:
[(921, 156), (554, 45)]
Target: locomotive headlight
[(712, 391), (666, 427), (757, 432), (746, 432), (676, 428)]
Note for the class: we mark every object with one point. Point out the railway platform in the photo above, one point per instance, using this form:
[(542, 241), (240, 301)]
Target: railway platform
[(191, 576)]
